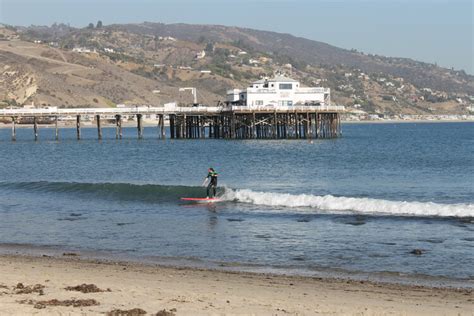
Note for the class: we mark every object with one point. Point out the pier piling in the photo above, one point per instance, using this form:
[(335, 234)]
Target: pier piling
[(172, 127), (13, 129), (118, 126), (56, 134), (99, 128), (35, 127), (161, 124), (140, 126), (78, 127)]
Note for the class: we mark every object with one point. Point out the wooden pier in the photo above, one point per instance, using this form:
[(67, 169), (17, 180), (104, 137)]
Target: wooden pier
[(223, 122)]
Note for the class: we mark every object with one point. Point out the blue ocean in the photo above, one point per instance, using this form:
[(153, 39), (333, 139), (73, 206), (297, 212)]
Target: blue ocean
[(355, 206)]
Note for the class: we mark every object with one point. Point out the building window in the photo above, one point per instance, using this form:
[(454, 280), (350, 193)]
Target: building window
[(259, 102), (285, 103), (286, 86)]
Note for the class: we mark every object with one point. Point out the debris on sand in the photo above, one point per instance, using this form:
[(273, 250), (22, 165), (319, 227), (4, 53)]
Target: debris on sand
[(128, 312), (86, 288), (20, 288), (3, 287), (164, 312), (55, 302), (70, 254)]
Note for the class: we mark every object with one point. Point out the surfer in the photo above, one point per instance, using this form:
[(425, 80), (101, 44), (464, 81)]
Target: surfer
[(212, 177)]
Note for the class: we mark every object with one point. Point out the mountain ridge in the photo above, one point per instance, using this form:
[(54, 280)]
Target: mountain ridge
[(374, 83)]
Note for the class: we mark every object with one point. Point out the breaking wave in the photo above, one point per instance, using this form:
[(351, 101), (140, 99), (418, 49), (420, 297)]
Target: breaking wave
[(331, 203), (298, 203)]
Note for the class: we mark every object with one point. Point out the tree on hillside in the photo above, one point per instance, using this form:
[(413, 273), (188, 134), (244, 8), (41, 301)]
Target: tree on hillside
[(209, 48), (68, 43), (99, 24), (90, 26)]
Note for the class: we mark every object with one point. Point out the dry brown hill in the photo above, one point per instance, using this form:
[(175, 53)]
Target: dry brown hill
[(130, 63)]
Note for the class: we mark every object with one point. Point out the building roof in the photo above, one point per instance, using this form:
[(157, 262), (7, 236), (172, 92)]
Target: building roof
[(275, 79)]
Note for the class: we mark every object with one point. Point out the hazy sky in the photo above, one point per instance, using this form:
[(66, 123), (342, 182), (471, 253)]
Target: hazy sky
[(436, 31)]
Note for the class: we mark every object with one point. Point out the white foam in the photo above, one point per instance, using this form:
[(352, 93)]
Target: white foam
[(337, 204)]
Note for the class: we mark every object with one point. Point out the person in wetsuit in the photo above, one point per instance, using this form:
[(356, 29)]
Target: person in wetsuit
[(212, 175)]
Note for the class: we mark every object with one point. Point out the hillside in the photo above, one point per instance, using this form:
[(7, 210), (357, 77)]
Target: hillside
[(148, 62)]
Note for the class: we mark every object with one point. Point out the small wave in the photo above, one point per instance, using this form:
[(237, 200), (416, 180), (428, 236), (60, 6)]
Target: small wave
[(117, 191), (299, 203), (343, 204)]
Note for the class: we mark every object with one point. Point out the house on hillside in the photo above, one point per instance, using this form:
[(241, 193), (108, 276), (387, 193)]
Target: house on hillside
[(278, 91), (82, 50), (200, 55), (167, 38)]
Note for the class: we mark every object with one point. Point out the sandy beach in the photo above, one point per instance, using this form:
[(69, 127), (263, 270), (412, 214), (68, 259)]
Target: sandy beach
[(49, 283)]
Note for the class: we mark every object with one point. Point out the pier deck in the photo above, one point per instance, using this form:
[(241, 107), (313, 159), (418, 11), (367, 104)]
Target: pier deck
[(228, 122)]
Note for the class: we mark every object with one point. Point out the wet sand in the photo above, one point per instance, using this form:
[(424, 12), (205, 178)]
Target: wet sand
[(185, 291)]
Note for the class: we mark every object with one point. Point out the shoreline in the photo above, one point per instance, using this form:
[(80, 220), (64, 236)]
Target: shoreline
[(191, 291), (405, 121), (382, 277), (149, 124)]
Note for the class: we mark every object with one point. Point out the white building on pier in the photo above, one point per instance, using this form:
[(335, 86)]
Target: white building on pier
[(279, 91)]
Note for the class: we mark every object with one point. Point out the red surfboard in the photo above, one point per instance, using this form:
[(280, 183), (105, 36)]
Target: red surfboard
[(201, 200)]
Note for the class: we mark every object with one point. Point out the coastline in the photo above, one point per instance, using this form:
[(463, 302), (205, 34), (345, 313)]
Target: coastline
[(149, 124), (191, 291), (405, 121)]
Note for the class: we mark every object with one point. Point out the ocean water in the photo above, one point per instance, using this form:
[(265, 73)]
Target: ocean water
[(357, 205)]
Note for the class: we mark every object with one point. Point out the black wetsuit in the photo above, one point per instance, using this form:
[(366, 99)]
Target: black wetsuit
[(212, 184)]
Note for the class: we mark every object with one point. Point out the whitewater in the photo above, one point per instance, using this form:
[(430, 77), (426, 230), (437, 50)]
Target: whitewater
[(330, 203)]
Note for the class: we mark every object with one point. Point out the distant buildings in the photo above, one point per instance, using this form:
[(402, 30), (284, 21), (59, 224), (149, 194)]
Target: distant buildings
[(167, 38), (83, 50), (279, 91), (86, 50), (200, 55), (254, 62)]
